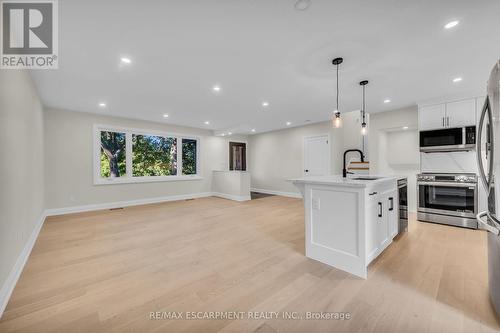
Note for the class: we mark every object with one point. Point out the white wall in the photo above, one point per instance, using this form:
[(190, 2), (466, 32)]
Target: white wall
[(21, 166), (69, 156), (277, 156), (394, 150)]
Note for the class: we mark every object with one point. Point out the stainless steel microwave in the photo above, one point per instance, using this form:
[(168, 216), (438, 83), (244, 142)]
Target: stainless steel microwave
[(448, 139)]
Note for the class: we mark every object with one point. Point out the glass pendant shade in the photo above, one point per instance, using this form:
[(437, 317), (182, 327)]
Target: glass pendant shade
[(363, 129), (337, 120)]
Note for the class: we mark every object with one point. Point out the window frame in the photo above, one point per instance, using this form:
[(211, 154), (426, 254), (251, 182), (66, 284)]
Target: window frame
[(129, 178)]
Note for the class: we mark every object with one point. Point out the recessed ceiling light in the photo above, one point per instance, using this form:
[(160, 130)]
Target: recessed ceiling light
[(387, 101), (265, 104), (216, 88), (405, 127), (229, 133), (207, 122), (102, 105), (253, 130), (165, 115), (457, 79), (288, 123), (302, 4), (451, 24), (126, 60), (223, 134)]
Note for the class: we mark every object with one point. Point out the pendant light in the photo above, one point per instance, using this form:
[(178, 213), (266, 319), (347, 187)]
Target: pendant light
[(337, 121), (363, 109)]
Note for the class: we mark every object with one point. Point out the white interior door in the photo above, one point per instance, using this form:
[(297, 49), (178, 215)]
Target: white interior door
[(316, 156)]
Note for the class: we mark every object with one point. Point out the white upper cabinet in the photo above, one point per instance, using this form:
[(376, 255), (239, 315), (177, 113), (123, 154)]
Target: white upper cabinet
[(461, 113), (431, 117), (447, 115)]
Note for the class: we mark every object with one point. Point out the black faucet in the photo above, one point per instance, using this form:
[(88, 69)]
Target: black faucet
[(344, 170)]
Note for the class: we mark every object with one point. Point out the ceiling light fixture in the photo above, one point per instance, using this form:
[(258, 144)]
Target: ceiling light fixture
[(387, 101), (363, 109), (405, 127), (126, 60), (229, 133), (102, 105), (207, 122), (337, 121), (457, 79), (253, 130), (451, 24), (216, 88), (302, 5), (165, 115), (223, 134), (288, 123), (265, 104)]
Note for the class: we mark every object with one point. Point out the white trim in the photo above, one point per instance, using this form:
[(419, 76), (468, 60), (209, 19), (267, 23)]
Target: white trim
[(280, 193), (15, 273), (329, 167), (134, 180), (119, 204), (450, 99), (128, 178), (232, 197)]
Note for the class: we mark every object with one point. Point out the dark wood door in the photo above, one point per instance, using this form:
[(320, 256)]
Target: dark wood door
[(237, 156)]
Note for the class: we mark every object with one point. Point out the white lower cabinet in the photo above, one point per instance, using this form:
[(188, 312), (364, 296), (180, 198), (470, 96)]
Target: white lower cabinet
[(381, 221)]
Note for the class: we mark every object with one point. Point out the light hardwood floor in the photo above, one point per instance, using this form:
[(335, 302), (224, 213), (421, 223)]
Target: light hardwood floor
[(106, 271)]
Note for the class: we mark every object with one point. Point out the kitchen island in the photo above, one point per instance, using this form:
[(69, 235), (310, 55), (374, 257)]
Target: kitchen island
[(349, 221)]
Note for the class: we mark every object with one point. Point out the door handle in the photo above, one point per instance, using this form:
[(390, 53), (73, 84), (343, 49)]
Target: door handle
[(391, 199), (443, 121), (306, 170), (379, 209), (373, 193), (487, 181)]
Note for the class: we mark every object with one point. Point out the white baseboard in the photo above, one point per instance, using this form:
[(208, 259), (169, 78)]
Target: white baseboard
[(283, 194), (232, 197), (118, 204), (15, 273)]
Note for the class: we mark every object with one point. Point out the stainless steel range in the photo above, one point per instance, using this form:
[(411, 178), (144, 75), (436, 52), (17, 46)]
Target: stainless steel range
[(447, 199)]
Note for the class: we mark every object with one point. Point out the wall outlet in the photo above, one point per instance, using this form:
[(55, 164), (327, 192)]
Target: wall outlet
[(316, 203)]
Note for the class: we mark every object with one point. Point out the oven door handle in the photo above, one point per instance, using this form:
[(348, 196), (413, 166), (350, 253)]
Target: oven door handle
[(485, 225), (448, 184)]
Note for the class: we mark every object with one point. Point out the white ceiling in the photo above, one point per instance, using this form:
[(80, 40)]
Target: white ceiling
[(262, 50)]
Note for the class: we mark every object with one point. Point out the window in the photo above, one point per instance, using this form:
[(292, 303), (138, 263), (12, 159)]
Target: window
[(124, 155), (189, 154), (237, 156), (153, 155), (112, 154)]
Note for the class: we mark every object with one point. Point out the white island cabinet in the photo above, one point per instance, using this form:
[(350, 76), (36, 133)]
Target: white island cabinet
[(349, 222)]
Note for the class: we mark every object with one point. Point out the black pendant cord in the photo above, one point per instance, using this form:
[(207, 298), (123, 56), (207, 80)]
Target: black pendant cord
[(337, 62), (364, 112), (338, 111), (363, 108)]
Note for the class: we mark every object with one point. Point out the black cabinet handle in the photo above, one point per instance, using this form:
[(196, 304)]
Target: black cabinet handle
[(306, 170), (391, 199), (373, 193), (379, 209)]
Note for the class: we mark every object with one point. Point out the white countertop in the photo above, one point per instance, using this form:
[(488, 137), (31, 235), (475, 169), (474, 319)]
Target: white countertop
[(338, 180)]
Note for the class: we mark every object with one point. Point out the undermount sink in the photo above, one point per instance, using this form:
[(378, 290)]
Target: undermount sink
[(365, 178)]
